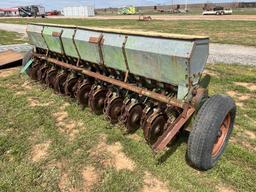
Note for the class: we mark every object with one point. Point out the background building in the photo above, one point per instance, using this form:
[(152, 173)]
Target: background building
[(9, 12), (81, 11)]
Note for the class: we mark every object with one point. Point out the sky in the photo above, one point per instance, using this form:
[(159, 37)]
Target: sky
[(59, 4)]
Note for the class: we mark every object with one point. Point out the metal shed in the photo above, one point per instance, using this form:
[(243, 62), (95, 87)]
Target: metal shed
[(81, 11)]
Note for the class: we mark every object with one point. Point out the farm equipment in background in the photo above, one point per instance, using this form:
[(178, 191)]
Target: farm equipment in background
[(145, 80), (32, 11), (14, 55), (144, 18), (217, 11), (53, 13), (127, 11)]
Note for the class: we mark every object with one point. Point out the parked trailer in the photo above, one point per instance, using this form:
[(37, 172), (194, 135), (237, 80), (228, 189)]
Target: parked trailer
[(148, 80)]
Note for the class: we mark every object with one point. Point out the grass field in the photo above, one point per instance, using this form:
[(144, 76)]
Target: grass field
[(232, 32), (11, 38), (47, 143)]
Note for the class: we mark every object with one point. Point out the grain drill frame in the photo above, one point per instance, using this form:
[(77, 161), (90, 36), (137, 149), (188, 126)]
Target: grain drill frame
[(148, 80)]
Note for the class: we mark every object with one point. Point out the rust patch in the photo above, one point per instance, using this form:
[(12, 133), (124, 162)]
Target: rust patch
[(40, 151), (90, 177), (152, 184)]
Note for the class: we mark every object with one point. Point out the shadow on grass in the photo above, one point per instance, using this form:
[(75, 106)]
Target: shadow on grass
[(173, 146)]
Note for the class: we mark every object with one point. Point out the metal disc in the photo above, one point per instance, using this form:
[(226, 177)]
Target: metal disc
[(32, 72), (51, 77), (59, 85), (133, 118), (145, 116), (83, 94), (114, 109), (96, 100), (42, 72), (155, 128), (70, 87)]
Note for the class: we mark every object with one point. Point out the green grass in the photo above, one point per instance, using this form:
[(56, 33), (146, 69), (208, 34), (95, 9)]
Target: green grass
[(231, 32), (24, 126), (11, 38)]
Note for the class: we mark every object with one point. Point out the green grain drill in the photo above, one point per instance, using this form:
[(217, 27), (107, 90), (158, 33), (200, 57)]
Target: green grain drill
[(146, 80)]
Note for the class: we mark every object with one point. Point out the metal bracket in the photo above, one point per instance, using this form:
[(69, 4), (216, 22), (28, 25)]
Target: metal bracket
[(27, 65)]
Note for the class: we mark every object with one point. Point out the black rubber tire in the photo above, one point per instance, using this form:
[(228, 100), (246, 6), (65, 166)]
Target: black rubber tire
[(205, 131)]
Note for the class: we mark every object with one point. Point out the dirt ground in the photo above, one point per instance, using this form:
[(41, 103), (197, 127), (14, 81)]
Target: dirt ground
[(171, 17), (185, 17)]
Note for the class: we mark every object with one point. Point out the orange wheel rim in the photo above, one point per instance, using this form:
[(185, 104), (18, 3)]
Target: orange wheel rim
[(222, 134)]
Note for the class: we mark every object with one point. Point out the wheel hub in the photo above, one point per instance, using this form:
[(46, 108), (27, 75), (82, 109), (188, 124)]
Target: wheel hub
[(222, 134)]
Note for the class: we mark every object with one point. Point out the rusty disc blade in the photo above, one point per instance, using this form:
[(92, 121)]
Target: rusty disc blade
[(133, 118), (59, 85), (50, 77), (70, 87), (96, 101), (83, 94), (145, 116), (155, 129), (42, 72), (32, 72), (114, 109)]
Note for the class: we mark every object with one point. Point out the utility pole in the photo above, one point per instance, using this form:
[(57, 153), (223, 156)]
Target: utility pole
[(186, 5)]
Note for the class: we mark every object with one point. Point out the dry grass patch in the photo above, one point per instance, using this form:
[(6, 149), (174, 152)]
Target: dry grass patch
[(222, 188), (67, 125), (65, 185), (239, 97), (8, 72), (40, 151), (250, 134), (211, 73), (249, 86), (115, 156), (90, 177), (27, 85), (34, 102), (152, 184), (135, 137)]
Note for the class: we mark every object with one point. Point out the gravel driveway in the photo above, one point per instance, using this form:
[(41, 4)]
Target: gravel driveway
[(219, 53)]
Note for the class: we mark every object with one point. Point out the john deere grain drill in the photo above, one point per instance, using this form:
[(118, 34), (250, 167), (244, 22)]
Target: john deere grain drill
[(151, 81)]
